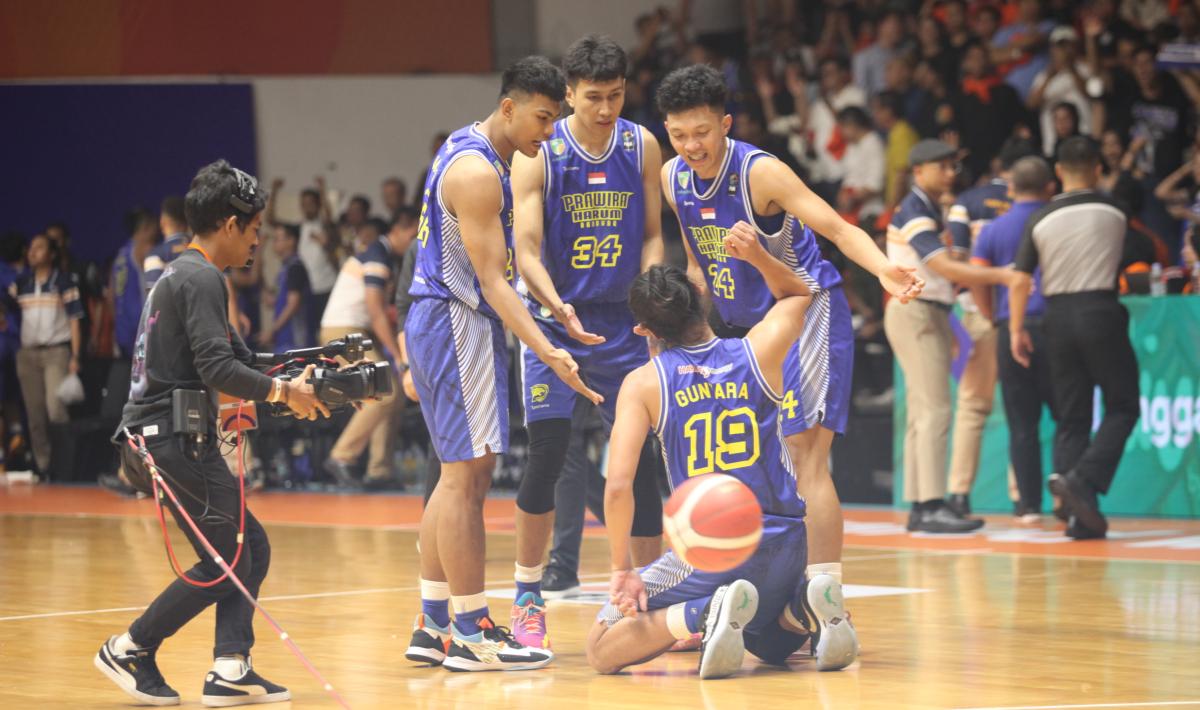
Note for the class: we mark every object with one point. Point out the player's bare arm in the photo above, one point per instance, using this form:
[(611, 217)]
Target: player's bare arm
[(774, 184), (652, 238), (472, 193), (637, 399)]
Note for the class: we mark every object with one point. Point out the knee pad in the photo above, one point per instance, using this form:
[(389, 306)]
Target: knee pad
[(648, 505), (774, 644), (548, 443)]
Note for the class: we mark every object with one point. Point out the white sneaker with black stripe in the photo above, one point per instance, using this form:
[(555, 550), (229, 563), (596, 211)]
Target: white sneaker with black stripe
[(248, 688), (493, 648), (723, 646), (429, 641), (136, 673), (834, 641)]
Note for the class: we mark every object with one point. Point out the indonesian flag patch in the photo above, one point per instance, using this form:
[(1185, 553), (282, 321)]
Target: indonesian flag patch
[(708, 212), (596, 179)]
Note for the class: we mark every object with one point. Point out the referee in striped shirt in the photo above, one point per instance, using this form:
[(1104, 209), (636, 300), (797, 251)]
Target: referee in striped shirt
[(1077, 240)]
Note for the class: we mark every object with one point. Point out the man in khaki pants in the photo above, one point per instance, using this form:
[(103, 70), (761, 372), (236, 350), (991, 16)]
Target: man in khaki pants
[(921, 338), (357, 304)]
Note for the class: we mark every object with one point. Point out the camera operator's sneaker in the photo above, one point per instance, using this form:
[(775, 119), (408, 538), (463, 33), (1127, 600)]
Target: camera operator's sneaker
[(558, 584), (429, 641), (248, 688), (492, 649), (834, 642), (136, 673), (723, 646), (529, 621)]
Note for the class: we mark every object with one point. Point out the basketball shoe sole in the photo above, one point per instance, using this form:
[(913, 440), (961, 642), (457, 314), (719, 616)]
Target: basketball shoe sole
[(835, 642), (724, 647)]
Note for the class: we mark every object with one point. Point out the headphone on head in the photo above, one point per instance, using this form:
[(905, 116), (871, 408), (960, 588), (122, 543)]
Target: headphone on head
[(245, 193)]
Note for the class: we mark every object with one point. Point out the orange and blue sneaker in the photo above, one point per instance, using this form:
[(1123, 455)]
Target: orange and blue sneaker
[(492, 648), (429, 641), (529, 621)]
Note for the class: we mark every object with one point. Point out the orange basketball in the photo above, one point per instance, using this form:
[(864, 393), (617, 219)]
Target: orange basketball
[(713, 522)]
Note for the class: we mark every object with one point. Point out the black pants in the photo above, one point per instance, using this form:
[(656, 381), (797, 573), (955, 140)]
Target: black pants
[(1087, 341), (1025, 390), (209, 493)]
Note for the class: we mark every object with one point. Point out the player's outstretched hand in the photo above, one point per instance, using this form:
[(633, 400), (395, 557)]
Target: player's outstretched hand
[(902, 282), (567, 370), (570, 321), (627, 592), (741, 241), (302, 400)]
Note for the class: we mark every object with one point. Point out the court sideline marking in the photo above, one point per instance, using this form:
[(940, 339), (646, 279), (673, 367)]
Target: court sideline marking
[(1158, 704)]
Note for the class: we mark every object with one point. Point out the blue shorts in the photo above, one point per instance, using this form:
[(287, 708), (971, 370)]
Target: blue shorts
[(818, 369), (459, 363), (776, 570), (603, 367)]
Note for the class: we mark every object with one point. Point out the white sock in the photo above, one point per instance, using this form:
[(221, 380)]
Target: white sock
[(230, 667), (123, 645), (528, 575), (469, 602), (677, 621), (435, 591), (833, 569)]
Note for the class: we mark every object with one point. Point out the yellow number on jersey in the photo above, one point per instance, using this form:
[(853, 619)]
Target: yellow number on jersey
[(508, 269), (736, 440), (423, 222), (722, 281), (588, 251), (789, 404)]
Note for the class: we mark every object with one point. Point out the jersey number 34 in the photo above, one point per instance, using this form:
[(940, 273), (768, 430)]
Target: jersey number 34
[(589, 251)]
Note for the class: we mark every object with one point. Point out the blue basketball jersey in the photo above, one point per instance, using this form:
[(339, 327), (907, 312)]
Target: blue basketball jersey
[(707, 211), (594, 216), (718, 415), (443, 270)]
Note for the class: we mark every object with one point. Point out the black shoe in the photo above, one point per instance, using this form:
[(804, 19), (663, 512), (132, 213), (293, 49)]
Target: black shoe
[(914, 516), (1080, 499), (1076, 531), (342, 473), (943, 520), (137, 674), (381, 483), (112, 483), (248, 689), (960, 503), (1027, 514), (559, 584)]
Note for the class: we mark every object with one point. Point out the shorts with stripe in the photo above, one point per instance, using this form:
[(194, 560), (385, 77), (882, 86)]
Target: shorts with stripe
[(459, 362), (818, 369), (602, 367), (776, 570)]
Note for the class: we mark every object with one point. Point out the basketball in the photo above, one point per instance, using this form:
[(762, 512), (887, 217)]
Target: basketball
[(713, 522)]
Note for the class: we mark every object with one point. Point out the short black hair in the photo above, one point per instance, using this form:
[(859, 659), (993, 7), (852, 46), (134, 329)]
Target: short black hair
[(840, 61), (892, 101), (137, 218), (692, 87), (380, 225), (595, 58), (533, 75), (311, 192), (1069, 108), (172, 208), (51, 245), (12, 246), (220, 191), (855, 116), (1014, 149), (406, 214), (1078, 154), (664, 300), (290, 230), (363, 201), (1030, 174)]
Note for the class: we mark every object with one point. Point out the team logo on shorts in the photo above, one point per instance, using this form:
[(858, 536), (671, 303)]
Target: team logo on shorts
[(558, 146), (627, 140), (683, 180), (538, 393)]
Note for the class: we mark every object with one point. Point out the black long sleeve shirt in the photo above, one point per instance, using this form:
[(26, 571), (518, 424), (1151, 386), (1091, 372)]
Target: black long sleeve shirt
[(184, 341)]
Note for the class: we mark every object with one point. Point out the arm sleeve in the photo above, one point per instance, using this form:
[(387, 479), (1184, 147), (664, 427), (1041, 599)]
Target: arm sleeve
[(403, 299), (1027, 255), (70, 296), (220, 354)]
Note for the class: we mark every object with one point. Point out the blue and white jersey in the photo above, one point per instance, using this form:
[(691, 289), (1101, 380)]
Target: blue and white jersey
[(163, 254), (127, 284), (594, 215), (443, 270), (975, 209), (707, 211), (717, 414)]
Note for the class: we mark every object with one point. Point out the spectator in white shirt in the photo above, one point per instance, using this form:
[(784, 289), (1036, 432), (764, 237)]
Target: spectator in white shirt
[(865, 161), (1064, 80)]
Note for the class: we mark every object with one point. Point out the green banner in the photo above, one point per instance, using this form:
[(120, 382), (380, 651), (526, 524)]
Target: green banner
[(1160, 471)]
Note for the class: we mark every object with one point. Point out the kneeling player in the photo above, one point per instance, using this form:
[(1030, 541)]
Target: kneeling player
[(764, 596)]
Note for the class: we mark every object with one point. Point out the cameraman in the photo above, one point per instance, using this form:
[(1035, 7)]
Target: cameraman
[(185, 342)]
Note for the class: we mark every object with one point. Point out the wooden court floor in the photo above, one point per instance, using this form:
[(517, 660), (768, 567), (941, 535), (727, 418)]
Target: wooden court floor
[(1007, 618)]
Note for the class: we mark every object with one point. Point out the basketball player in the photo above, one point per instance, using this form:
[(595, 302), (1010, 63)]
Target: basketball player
[(463, 298), (715, 405), (714, 183), (587, 216)]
